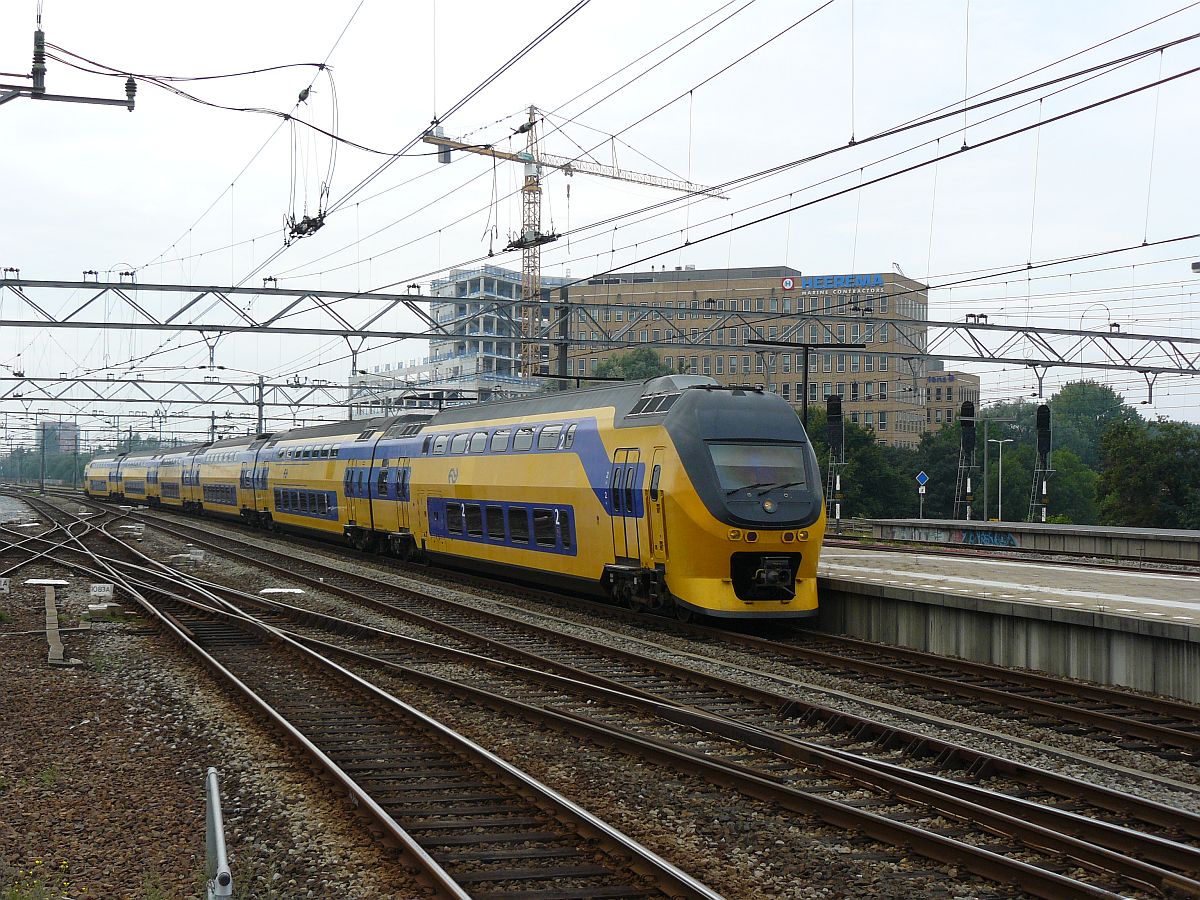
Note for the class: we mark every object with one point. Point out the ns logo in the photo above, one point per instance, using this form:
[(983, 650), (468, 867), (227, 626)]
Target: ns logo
[(452, 477)]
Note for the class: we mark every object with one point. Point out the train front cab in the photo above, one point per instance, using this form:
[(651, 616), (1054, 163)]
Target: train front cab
[(735, 504)]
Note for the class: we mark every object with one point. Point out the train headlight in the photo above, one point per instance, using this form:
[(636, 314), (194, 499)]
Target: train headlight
[(769, 506)]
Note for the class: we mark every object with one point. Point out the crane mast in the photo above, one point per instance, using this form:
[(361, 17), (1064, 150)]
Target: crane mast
[(533, 353)]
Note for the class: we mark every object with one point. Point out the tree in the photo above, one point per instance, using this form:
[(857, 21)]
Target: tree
[(636, 365), (873, 486), (1072, 491), (1150, 475), (1080, 415)]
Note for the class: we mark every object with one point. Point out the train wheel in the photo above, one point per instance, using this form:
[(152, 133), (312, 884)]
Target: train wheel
[(682, 613)]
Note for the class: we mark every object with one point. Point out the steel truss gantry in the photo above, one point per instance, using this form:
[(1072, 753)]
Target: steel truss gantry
[(213, 313)]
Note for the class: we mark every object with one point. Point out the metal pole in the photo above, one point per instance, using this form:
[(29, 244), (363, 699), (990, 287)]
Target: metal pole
[(220, 879), (804, 405), (260, 405), (985, 470), (42, 477), (1000, 485)]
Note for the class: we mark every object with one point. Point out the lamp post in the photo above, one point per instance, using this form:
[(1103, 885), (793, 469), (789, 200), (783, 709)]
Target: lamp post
[(1000, 466)]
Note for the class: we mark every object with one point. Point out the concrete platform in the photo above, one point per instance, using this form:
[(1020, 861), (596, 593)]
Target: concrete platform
[(1097, 540), (1140, 630)]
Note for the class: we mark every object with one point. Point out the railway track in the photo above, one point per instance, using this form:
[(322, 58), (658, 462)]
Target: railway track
[(623, 677), (1125, 720), (470, 823), (889, 798)]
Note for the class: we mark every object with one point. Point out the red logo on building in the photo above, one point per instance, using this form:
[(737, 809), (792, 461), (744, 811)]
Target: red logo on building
[(789, 284)]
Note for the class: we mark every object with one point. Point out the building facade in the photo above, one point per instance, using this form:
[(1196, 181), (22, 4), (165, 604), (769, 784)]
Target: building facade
[(720, 314), (944, 393)]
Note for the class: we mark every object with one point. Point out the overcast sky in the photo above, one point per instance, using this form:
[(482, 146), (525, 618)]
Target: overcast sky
[(168, 188)]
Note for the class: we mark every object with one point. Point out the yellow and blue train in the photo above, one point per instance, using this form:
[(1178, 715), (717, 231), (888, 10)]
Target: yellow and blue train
[(675, 494)]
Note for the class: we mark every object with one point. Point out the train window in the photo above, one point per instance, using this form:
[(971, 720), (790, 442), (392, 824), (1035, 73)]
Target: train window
[(564, 527), (425, 445), (304, 501), (277, 493), (439, 444), (630, 474), (362, 477), (667, 402), (459, 443), (495, 523), (543, 527), (548, 439), (454, 518), (474, 519), (654, 477), (500, 440), (381, 488), (523, 439), (616, 489), (518, 524), (322, 504), (479, 441), (569, 440), (293, 500), (346, 481), (337, 450)]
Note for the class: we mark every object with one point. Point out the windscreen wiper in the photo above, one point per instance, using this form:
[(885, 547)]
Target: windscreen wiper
[(748, 487), (773, 485)]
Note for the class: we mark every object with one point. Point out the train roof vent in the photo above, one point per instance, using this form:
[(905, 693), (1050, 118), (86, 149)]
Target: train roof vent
[(366, 434)]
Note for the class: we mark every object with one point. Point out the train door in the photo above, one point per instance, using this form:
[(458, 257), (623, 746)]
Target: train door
[(401, 477), (354, 489), (655, 500), (624, 494)]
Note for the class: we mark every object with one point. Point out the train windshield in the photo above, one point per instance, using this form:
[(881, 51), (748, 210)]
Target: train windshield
[(759, 465)]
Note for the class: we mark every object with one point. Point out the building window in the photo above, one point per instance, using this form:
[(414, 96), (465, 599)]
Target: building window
[(721, 365), (868, 363), (855, 334), (841, 362), (883, 363), (883, 303), (812, 391), (746, 364), (733, 365), (853, 362), (938, 417), (840, 389), (707, 365), (785, 360), (937, 393), (787, 391), (758, 362), (695, 368), (854, 418), (854, 390), (950, 393), (869, 418), (883, 332), (826, 390), (827, 362), (814, 334), (883, 421)]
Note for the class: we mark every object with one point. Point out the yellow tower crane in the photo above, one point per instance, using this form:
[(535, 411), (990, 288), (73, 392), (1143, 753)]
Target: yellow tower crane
[(535, 355)]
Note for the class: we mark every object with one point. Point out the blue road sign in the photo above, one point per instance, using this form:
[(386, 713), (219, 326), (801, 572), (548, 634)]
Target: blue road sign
[(922, 478)]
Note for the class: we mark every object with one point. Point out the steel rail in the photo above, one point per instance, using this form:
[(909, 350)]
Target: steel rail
[(782, 705), (675, 881), (755, 784), (1025, 820)]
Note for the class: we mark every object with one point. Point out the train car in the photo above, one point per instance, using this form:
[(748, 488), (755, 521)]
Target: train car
[(303, 472), (99, 477), (220, 465), (170, 478), (675, 494), (131, 474)]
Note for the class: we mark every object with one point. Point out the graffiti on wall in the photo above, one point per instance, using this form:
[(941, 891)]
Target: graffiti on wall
[(979, 538)]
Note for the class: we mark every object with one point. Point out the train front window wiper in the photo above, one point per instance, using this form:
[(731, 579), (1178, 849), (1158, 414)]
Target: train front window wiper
[(747, 487), (773, 485)]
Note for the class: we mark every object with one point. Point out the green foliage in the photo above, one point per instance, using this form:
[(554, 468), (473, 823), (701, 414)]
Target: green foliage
[(1081, 413), (873, 481), (1150, 475), (25, 464), (636, 365)]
